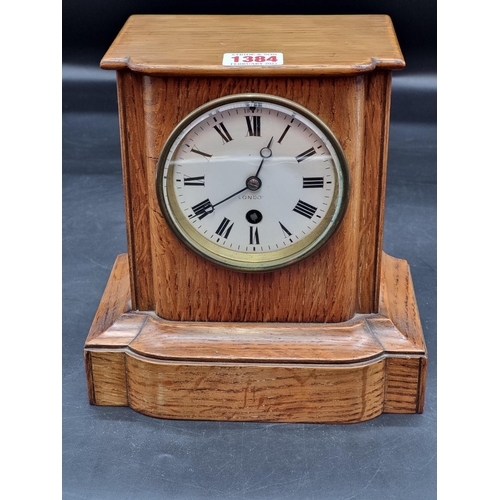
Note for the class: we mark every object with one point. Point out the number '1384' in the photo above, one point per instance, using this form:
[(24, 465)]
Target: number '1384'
[(257, 58)]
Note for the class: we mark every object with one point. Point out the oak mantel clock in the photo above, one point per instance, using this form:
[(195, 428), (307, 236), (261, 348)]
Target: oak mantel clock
[(255, 287)]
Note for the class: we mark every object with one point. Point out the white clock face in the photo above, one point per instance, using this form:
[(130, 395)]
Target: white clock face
[(252, 182)]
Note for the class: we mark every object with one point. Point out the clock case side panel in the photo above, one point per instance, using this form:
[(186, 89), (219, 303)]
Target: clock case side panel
[(135, 182), (321, 288), (376, 114)]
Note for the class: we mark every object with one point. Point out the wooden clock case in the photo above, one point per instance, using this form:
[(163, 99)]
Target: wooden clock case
[(335, 338)]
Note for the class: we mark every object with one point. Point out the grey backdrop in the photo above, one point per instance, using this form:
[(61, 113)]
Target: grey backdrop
[(115, 453)]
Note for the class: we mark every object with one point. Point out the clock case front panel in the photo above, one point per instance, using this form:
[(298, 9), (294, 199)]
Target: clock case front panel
[(335, 283)]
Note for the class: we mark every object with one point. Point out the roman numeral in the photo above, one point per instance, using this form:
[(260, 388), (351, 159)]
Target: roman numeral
[(222, 131), (254, 235), (286, 232), (305, 209), (223, 229), (306, 154), (253, 125), (313, 182), (283, 134), (194, 181), (202, 209), (201, 153)]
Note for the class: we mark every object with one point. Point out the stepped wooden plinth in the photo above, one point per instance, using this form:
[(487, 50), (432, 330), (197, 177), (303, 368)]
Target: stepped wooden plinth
[(274, 372)]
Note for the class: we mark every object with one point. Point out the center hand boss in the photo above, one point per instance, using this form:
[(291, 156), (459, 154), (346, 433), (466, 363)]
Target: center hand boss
[(253, 182)]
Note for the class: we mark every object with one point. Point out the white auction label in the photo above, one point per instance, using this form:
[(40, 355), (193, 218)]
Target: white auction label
[(253, 59)]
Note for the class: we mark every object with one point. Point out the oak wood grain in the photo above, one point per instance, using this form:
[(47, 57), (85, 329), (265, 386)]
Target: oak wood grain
[(245, 392), (375, 144), (115, 300), (332, 285), (397, 299), (189, 288), (132, 132), (194, 45), (109, 377), (334, 338), (337, 372), (349, 342), (402, 386)]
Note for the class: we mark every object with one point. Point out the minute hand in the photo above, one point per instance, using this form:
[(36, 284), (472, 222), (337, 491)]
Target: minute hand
[(231, 196)]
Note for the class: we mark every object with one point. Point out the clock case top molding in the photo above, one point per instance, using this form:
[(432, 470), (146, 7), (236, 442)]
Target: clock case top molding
[(148, 348)]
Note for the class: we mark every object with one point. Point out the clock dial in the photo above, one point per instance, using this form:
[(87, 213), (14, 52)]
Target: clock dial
[(252, 182)]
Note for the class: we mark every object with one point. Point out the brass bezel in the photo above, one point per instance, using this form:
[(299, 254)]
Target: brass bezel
[(245, 261)]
